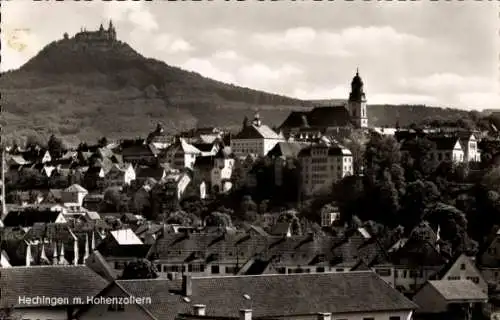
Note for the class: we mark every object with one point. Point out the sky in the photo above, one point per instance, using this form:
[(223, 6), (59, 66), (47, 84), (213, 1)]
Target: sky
[(435, 53)]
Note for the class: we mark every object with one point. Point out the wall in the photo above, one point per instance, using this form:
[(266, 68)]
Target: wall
[(429, 301), (468, 272), (404, 315), (131, 312), (41, 314)]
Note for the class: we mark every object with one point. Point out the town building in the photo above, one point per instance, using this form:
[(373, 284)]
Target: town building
[(255, 139), (323, 164), (330, 115), (350, 296)]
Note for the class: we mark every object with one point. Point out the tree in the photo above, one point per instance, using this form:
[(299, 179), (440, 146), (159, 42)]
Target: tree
[(139, 269), (115, 201), (102, 142), (219, 219), (418, 163), (248, 208), (418, 197), (55, 146), (183, 218)]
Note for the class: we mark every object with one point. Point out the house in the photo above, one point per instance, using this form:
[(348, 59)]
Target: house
[(443, 299), (222, 171), (32, 293), (333, 114), (137, 152), (159, 139), (329, 216), (181, 154), (448, 147), (120, 175), (469, 143), (284, 156), (491, 256), (255, 138), (27, 216), (207, 148), (463, 268), (323, 164), (356, 295), (74, 194), (142, 174), (116, 257)]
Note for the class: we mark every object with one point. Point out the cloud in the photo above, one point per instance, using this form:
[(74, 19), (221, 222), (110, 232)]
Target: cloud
[(346, 42), (482, 100), (261, 76), (137, 13), (207, 69), (226, 55), (170, 44)]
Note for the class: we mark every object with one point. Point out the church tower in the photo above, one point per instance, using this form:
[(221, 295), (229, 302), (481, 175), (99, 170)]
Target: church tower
[(357, 103)]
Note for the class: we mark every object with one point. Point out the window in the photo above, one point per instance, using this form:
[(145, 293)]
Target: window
[(215, 269), (453, 278), (320, 269), (462, 266), (339, 270), (369, 318), (395, 318), (383, 272)]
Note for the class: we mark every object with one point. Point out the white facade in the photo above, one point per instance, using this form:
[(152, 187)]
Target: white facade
[(321, 168), (472, 153), (222, 171), (256, 147)]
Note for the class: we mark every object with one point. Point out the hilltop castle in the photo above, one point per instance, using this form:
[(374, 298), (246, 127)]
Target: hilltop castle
[(99, 35)]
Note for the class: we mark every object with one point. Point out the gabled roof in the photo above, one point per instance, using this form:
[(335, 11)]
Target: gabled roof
[(150, 172), (324, 116), (257, 132), (286, 149), (76, 188), (26, 217), (48, 281), (458, 290), (126, 237), (273, 295)]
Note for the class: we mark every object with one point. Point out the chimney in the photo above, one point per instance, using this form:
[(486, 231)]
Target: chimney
[(187, 286), (199, 309), (245, 314), (54, 254), (28, 254), (93, 242), (61, 255), (87, 253), (324, 316), (75, 251)]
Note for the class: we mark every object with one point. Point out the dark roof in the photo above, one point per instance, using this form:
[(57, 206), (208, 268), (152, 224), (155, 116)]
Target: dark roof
[(149, 172), (286, 149), (205, 147), (333, 150), (48, 281), (273, 295), (129, 250), (29, 216), (332, 116), (458, 290), (444, 142)]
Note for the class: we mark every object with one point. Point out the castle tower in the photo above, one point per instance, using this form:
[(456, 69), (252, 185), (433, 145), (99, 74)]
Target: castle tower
[(111, 30), (357, 102)]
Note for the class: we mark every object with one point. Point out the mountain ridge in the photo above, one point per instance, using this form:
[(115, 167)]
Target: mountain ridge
[(85, 89)]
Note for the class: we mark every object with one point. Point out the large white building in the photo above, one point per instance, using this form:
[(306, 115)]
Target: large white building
[(323, 164), (254, 139)]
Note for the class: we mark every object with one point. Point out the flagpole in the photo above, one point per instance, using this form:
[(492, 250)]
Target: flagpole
[(4, 209)]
